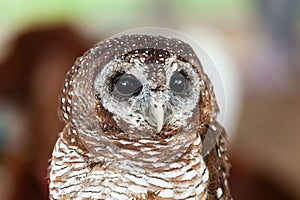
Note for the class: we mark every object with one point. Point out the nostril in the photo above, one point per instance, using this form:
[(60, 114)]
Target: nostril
[(162, 105)]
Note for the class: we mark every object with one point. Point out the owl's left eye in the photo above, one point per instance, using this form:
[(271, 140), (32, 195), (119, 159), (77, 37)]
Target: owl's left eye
[(178, 83), (127, 85)]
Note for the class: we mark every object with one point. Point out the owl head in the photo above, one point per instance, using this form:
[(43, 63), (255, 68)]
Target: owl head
[(135, 88)]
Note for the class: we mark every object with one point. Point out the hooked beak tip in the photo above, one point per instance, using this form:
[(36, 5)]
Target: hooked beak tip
[(158, 113)]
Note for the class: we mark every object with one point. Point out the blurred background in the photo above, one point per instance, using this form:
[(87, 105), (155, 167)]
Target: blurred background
[(255, 45)]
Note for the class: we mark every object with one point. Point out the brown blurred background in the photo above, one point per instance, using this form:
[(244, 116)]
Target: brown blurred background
[(255, 45)]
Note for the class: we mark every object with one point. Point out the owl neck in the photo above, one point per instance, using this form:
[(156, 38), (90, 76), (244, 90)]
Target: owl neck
[(151, 154)]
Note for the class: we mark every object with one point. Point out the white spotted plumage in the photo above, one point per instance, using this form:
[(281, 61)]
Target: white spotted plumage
[(116, 145)]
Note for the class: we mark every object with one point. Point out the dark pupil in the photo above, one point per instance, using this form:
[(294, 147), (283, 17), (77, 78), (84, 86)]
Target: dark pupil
[(127, 85), (178, 82)]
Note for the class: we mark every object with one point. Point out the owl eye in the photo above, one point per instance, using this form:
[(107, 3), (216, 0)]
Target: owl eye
[(178, 83), (127, 85)]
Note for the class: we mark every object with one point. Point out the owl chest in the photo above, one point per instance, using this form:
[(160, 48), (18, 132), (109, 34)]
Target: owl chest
[(127, 182)]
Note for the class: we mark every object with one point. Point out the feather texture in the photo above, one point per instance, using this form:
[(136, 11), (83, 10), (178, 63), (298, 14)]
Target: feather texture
[(111, 148)]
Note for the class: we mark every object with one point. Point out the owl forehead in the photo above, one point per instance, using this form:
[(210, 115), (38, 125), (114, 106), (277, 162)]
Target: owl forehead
[(155, 63), (154, 49), (148, 51)]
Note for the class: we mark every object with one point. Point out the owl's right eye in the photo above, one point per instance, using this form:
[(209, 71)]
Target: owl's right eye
[(127, 85)]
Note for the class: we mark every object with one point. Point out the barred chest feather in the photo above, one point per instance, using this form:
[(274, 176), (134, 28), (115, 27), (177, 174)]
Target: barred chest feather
[(73, 177)]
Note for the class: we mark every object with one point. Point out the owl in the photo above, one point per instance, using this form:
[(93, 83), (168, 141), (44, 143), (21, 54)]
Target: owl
[(140, 123)]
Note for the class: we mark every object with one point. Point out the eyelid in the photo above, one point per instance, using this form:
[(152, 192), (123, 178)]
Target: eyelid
[(116, 77), (180, 73), (183, 73)]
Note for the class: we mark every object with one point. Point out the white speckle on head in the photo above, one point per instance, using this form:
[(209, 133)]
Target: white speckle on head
[(68, 109), (219, 153), (219, 192), (66, 116)]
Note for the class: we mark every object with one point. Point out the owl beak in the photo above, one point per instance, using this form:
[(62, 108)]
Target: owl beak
[(158, 112)]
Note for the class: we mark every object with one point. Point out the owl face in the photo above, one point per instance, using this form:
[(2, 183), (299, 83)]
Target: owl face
[(137, 87), (148, 91)]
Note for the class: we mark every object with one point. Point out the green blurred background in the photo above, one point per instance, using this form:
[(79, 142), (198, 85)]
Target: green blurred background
[(254, 44), (20, 13)]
